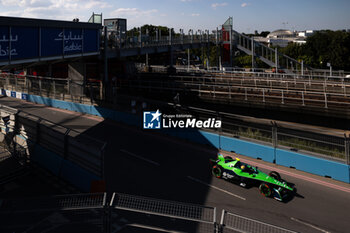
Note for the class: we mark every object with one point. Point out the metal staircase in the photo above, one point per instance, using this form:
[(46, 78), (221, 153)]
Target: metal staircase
[(268, 55)]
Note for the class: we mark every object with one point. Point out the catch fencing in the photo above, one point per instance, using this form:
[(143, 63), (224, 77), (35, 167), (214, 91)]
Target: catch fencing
[(66, 213), (233, 223), (69, 144), (307, 92), (331, 145), (163, 214), (102, 213), (70, 154)]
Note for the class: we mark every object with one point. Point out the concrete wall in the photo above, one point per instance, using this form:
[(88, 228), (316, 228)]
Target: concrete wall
[(318, 166)]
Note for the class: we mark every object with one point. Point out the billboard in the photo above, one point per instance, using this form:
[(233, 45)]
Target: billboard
[(17, 43), (4, 43)]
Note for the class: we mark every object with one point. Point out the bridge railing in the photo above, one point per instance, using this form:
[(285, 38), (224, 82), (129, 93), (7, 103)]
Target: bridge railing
[(151, 41)]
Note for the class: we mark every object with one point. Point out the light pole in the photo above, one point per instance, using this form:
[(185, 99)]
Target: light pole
[(208, 48), (190, 34)]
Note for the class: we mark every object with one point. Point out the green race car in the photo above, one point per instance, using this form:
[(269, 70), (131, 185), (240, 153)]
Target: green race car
[(270, 185)]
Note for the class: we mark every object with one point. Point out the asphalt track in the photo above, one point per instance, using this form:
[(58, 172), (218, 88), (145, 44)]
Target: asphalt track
[(150, 164)]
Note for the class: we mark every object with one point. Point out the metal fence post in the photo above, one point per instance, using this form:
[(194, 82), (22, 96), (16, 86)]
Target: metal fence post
[(40, 87), (302, 96), (221, 225), (6, 82), (263, 92), (325, 100), (54, 89), (274, 138), (347, 149)]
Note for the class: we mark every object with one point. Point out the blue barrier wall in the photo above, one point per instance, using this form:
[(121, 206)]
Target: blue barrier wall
[(250, 149), (322, 167), (89, 109)]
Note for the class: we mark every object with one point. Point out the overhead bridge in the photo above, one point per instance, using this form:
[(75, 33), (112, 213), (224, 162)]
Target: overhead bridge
[(25, 40), (228, 38)]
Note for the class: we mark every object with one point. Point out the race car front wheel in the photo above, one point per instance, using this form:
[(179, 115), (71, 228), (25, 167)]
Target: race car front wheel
[(265, 190), (217, 171)]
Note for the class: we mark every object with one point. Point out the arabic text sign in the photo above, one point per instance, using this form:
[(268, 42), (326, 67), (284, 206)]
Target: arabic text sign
[(73, 41), (4, 43), (23, 42)]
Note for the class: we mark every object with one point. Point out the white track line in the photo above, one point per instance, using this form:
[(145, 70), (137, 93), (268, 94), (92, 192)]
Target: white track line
[(139, 157), (214, 187), (309, 225)]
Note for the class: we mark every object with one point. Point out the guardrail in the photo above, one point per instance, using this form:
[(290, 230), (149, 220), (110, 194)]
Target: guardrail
[(235, 223), (65, 213), (102, 213), (185, 215)]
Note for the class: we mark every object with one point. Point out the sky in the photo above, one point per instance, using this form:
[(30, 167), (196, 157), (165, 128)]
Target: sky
[(248, 15)]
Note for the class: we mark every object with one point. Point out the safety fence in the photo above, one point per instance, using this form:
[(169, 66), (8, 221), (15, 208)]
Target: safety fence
[(67, 153), (295, 137), (331, 93), (233, 223), (66, 213), (209, 88), (56, 88), (163, 214), (218, 83), (102, 213), (70, 144), (330, 145)]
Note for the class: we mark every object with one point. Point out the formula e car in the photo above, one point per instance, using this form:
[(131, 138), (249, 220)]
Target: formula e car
[(270, 185)]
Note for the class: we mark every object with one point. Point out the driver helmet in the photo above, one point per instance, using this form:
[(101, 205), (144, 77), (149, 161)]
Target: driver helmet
[(242, 167)]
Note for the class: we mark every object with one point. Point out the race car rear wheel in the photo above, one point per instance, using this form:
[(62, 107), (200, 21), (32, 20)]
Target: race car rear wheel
[(216, 171), (265, 190), (275, 175)]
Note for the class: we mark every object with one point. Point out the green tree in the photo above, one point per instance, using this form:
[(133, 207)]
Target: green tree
[(321, 48)]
